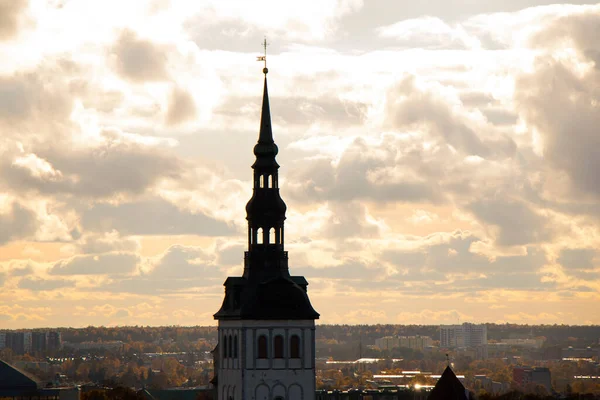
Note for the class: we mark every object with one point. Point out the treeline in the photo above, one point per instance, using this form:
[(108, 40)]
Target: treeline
[(576, 335), (356, 335)]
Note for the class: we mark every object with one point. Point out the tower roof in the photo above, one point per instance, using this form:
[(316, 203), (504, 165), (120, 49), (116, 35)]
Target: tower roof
[(448, 387), (266, 149)]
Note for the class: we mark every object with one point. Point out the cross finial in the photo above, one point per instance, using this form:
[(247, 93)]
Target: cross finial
[(447, 359), (264, 57)]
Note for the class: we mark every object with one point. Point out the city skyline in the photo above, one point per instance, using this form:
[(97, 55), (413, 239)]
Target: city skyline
[(438, 163)]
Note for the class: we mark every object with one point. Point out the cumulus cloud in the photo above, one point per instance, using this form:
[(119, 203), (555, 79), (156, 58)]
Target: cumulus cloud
[(17, 222), (560, 100), (108, 242), (11, 14), (408, 106), (181, 107), (102, 264), (37, 101), (139, 60), (151, 217), (115, 165), (178, 268), (513, 222), (364, 171), (437, 185)]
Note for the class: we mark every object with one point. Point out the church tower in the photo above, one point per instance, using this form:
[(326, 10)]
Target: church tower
[(266, 347)]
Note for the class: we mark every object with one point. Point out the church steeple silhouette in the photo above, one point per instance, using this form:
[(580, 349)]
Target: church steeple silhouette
[(266, 289)]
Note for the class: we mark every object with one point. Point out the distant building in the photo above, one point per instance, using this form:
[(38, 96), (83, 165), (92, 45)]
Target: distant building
[(465, 335), (54, 340), (27, 342), (523, 376), (571, 353), (39, 342), (411, 342), (475, 352), (30, 341)]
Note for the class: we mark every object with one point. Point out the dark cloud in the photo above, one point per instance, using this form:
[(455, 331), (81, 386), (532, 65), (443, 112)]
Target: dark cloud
[(499, 116), (231, 255), (11, 13), (564, 106), (577, 258), (139, 60), (17, 223), (22, 271), (581, 263), (476, 99), (119, 166), (407, 105), (381, 173), (516, 222), (151, 217), (39, 284), (102, 264), (182, 262), (348, 271), (180, 268), (36, 101), (455, 256), (181, 107)]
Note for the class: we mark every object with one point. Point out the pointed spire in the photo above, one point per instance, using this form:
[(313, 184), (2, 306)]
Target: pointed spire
[(266, 149), (266, 133)]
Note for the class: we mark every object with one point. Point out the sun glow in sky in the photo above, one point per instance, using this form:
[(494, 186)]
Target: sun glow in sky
[(440, 160)]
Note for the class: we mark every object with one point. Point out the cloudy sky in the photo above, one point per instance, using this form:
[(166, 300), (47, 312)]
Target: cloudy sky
[(440, 160)]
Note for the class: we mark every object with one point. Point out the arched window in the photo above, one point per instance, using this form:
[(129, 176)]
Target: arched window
[(230, 351), (262, 181), (278, 347), (295, 346), (235, 346), (225, 346), (272, 236), (250, 235), (259, 238), (269, 181), (262, 347)]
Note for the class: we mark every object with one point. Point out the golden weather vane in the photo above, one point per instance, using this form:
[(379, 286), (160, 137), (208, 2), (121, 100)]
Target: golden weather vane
[(264, 58)]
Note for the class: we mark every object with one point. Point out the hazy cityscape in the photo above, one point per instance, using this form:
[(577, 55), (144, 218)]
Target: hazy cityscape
[(489, 359)]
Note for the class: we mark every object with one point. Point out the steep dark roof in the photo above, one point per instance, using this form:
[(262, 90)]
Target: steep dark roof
[(448, 387), (275, 298), (12, 378)]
